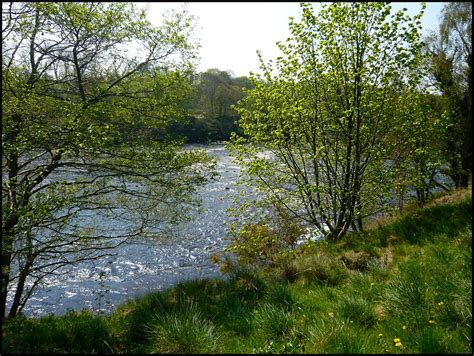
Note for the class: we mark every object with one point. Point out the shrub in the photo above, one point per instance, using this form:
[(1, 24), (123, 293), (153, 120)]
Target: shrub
[(262, 243), (255, 244)]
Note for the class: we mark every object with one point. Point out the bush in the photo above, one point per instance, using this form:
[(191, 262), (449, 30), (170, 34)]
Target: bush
[(255, 244), (262, 243)]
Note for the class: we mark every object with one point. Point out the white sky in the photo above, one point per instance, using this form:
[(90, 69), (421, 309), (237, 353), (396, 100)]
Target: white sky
[(230, 33)]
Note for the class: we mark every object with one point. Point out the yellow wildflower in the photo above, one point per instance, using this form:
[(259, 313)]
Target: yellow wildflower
[(398, 344), (372, 284), (331, 314), (380, 335), (396, 340), (404, 327), (431, 321), (440, 303)]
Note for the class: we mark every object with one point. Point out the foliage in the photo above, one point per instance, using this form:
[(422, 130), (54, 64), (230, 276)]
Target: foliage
[(450, 50), (260, 244), (319, 267), (77, 110), (212, 117), (418, 154), (77, 332), (319, 123), (274, 322)]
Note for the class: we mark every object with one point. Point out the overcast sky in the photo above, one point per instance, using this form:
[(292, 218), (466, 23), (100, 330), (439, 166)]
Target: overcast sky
[(230, 33)]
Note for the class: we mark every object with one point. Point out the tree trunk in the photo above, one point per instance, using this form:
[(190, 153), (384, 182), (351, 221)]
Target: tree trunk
[(360, 224), (19, 292), (6, 261), (464, 175), (8, 227), (25, 272)]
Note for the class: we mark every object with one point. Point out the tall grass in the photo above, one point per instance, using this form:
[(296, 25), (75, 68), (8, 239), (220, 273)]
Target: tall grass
[(410, 279), (184, 332), (74, 332)]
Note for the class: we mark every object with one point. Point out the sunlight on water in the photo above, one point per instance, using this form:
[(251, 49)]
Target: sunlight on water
[(151, 264), (147, 265)]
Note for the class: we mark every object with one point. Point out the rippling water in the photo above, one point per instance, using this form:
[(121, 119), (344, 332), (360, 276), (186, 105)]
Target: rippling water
[(150, 265), (147, 265)]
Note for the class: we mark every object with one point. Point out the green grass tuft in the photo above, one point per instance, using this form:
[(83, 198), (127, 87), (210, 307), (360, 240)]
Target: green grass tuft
[(184, 332)]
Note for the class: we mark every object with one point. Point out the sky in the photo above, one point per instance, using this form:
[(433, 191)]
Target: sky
[(230, 33)]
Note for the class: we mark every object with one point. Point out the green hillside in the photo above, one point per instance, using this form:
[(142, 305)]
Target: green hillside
[(403, 286)]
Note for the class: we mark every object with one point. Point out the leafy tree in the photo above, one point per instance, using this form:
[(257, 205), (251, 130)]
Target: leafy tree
[(451, 69), (77, 108), (418, 146), (320, 121), (212, 116)]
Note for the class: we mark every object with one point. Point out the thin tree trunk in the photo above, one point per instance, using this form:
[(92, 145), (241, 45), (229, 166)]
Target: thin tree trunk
[(19, 291)]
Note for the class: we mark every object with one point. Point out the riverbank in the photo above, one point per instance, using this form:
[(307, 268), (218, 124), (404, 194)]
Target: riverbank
[(403, 286)]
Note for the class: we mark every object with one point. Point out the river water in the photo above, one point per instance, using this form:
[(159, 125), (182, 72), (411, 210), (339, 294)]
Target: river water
[(150, 265)]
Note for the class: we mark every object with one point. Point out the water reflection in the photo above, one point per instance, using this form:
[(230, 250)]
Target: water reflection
[(148, 265)]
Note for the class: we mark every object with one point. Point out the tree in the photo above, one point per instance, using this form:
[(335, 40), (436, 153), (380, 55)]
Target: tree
[(451, 69), (77, 108), (418, 153), (212, 116), (319, 130)]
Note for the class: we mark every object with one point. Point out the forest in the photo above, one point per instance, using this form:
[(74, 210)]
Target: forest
[(356, 138)]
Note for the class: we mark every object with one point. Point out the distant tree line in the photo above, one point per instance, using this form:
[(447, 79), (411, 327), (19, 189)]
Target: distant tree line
[(211, 115)]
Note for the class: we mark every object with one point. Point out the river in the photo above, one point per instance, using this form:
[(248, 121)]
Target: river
[(151, 265)]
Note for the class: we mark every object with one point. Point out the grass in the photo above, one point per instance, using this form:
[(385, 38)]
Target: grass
[(76, 332), (185, 331), (408, 279)]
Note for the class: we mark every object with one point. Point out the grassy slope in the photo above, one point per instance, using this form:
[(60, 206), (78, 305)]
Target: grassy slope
[(408, 278)]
